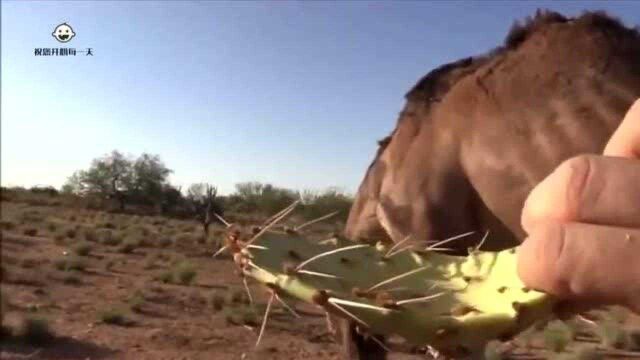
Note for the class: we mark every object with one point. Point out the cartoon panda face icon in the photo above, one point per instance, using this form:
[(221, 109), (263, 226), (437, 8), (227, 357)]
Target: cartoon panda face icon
[(63, 33)]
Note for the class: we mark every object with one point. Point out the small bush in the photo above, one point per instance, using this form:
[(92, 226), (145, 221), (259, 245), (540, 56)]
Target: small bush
[(613, 335), (7, 225), (34, 330), (71, 233), (90, 235), (59, 239), (238, 296), (83, 249), (74, 263), (30, 232), (165, 242), (150, 261), (128, 247), (185, 273), (216, 300), (71, 279), (108, 225), (28, 263), (184, 238), (136, 302), (166, 277), (109, 265), (557, 336), (113, 317), (52, 226), (241, 316), (106, 237), (31, 217)]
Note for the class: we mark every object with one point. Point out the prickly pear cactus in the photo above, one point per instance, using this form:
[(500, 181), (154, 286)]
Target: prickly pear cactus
[(450, 303)]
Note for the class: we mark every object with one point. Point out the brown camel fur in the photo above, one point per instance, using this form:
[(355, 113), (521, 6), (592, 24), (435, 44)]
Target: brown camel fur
[(475, 136)]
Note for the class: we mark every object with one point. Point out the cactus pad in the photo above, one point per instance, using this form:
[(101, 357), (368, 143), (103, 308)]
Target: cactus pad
[(452, 303)]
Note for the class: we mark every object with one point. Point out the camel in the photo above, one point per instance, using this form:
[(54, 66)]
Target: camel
[(476, 135)]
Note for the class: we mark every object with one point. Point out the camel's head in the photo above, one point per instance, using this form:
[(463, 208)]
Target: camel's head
[(403, 184)]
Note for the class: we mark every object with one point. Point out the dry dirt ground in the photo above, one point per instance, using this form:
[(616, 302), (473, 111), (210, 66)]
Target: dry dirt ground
[(114, 286)]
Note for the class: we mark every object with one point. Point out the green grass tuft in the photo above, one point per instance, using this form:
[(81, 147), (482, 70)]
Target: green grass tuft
[(185, 273), (216, 301), (114, 317), (30, 232), (83, 249), (557, 336), (613, 335)]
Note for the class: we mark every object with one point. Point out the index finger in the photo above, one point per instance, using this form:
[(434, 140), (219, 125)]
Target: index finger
[(625, 141)]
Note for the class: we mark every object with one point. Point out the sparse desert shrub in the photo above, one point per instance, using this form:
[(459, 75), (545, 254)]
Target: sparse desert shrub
[(158, 221), (83, 249), (557, 336), (185, 272), (71, 233), (59, 239), (165, 242), (30, 231), (136, 302), (238, 296), (164, 257), (129, 246), (7, 225), (216, 300), (613, 335), (200, 239), (34, 330), (184, 238), (242, 315), (150, 261), (109, 265), (144, 242), (31, 216), (108, 237), (107, 225), (166, 277), (68, 264), (28, 263), (113, 317), (73, 218), (90, 235), (52, 226), (71, 279)]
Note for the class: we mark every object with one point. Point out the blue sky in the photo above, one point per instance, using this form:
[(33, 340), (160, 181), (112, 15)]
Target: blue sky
[(291, 93)]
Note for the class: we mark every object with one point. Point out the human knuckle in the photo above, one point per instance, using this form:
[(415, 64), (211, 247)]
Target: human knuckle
[(576, 174), (562, 271)]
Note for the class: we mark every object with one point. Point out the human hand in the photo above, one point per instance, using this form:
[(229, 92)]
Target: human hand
[(583, 225)]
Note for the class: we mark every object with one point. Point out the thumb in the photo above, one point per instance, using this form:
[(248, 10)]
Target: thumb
[(583, 262)]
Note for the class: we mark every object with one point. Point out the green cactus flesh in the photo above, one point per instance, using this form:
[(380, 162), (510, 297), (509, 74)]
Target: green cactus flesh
[(428, 298)]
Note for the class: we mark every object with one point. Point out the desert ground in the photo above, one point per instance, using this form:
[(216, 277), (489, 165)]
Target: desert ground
[(92, 284)]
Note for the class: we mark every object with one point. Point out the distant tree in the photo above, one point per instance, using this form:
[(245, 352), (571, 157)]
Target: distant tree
[(171, 198), (149, 178), (115, 176), (265, 198)]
